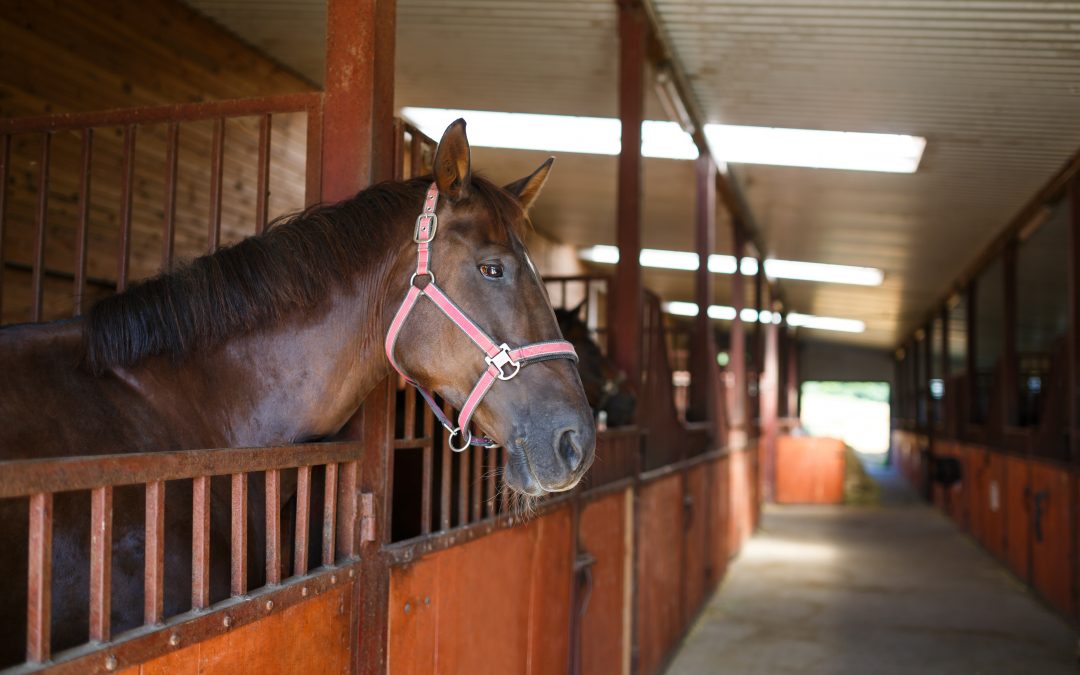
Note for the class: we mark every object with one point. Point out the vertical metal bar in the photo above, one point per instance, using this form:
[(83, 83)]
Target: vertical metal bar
[(38, 283), (348, 511), (154, 570), (1010, 381), (83, 223), (329, 515), (702, 350), (262, 196), (172, 156), (444, 489), (409, 421), (737, 405), (626, 305), (101, 522), (490, 457), (463, 486), (303, 513), (273, 526), (416, 157), (39, 581), (972, 344), (127, 178), (477, 456), (426, 480), (200, 542), (238, 534), (313, 160), (5, 165), (217, 168)]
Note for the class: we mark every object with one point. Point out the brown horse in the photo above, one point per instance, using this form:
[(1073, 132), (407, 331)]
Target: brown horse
[(605, 384), (277, 340)]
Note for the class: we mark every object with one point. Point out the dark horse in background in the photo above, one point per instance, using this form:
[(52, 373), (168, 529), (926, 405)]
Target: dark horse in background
[(605, 384), (277, 340)]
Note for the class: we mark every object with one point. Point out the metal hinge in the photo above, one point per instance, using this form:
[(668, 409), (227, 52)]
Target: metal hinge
[(367, 517)]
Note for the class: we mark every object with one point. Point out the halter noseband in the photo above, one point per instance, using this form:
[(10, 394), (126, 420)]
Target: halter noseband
[(503, 363)]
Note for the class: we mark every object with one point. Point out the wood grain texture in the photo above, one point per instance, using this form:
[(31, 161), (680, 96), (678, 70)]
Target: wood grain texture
[(809, 470), (603, 635), (659, 571)]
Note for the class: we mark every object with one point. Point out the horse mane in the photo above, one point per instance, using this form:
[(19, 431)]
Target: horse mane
[(263, 280)]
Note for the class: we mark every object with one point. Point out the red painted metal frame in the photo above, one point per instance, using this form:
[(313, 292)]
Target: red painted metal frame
[(703, 346)]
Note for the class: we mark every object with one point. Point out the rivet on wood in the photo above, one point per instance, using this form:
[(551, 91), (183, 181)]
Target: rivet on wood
[(333, 578), (427, 600), (227, 621), (352, 573), (304, 592), (174, 640), (269, 605), (110, 662), (407, 608)]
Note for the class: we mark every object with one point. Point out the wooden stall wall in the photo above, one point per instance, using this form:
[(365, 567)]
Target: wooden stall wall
[(659, 570), (83, 55), (809, 470), (1020, 508), (607, 533)]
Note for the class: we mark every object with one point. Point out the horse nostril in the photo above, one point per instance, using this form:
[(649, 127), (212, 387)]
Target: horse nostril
[(569, 450)]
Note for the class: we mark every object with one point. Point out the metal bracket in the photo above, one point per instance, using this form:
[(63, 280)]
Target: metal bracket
[(367, 517)]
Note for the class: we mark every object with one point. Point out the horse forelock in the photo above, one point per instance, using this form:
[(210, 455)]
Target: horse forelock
[(265, 280)]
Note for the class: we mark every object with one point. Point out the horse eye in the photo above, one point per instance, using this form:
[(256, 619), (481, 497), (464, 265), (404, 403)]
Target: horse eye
[(491, 271)]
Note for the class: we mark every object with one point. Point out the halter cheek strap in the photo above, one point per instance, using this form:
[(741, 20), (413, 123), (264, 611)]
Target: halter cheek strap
[(503, 362)]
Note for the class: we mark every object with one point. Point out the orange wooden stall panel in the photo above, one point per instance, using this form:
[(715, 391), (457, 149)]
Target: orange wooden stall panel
[(497, 604), (739, 495), (809, 470), (1017, 517), (606, 533), (993, 507), (1051, 534), (977, 481), (659, 572), (696, 530), (720, 507)]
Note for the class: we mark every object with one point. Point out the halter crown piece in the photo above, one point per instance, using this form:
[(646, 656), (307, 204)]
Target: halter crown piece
[(503, 362)]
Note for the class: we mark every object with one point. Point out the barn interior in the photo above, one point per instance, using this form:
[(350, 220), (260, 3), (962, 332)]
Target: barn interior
[(949, 275)]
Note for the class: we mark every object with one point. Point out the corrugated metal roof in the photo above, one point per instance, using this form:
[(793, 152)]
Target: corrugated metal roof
[(993, 85)]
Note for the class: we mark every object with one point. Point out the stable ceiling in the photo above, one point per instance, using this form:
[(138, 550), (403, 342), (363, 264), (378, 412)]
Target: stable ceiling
[(993, 85)]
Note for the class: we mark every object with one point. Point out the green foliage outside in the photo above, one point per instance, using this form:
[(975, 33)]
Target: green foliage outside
[(870, 391)]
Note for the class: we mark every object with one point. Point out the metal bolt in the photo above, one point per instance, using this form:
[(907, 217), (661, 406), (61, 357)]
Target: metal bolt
[(333, 578), (427, 600), (174, 640), (269, 605), (110, 662), (352, 573), (304, 591), (407, 608), (227, 621)]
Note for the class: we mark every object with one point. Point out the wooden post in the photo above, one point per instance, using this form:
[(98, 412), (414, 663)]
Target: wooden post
[(1073, 380), (703, 349), (737, 434), (972, 345), (754, 412), (625, 334), (770, 401), (1009, 384), (792, 382), (358, 106)]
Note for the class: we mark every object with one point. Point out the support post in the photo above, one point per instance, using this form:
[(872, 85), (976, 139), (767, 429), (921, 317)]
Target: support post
[(770, 403), (972, 380), (947, 420), (626, 299), (703, 349), (1009, 382), (737, 429), (753, 414), (1073, 380), (792, 403), (358, 106)]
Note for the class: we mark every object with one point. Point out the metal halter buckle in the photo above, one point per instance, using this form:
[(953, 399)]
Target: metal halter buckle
[(501, 360), (431, 234), (467, 436)]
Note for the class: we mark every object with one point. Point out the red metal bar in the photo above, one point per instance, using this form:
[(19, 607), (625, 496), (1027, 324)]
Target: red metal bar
[(626, 300), (946, 422), (127, 179), (444, 488), (200, 543), (313, 161), (503, 459), (348, 511), (703, 350), (154, 569), (217, 168), (1010, 380), (489, 502), (329, 515), (83, 225), (303, 513), (172, 156), (737, 395), (972, 344), (1073, 379), (477, 458), (426, 481), (463, 486), (262, 191), (770, 399), (184, 112), (792, 373), (5, 165), (358, 113), (39, 581), (101, 522), (273, 526), (238, 534), (409, 420), (38, 283)]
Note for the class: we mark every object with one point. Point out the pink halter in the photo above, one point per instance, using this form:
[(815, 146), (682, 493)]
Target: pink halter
[(503, 363)]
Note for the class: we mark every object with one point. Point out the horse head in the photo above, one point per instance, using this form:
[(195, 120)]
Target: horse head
[(605, 384), (475, 325)]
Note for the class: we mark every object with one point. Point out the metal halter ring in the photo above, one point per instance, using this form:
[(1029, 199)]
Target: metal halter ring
[(467, 435), (429, 273), (501, 360)]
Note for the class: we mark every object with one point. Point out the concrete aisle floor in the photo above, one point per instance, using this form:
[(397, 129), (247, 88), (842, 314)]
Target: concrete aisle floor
[(872, 590)]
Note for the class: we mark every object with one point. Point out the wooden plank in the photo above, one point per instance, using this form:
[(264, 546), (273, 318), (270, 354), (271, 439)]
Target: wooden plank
[(703, 349), (1051, 538), (101, 527), (659, 573), (1016, 504), (273, 526), (83, 226), (41, 226), (604, 634), (303, 512), (154, 572), (127, 180), (200, 543), (172, 155), (39, 583), (262, 189), (810, 470)]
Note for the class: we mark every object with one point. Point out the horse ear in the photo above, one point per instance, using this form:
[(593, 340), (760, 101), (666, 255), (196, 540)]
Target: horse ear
[(453, 165), (528, 188)]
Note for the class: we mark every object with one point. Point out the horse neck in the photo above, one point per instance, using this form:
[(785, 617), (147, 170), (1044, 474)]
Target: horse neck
[(300, 380)]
